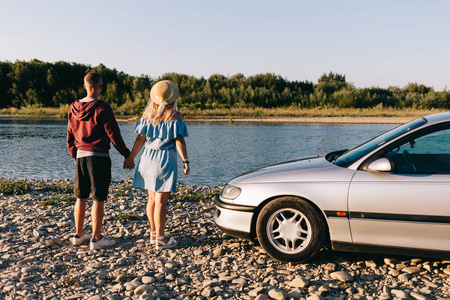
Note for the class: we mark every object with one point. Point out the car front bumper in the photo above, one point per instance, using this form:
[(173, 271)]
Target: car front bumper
[(233, 219)]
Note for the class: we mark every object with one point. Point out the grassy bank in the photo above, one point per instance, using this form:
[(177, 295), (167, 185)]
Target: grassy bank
[(306, 113), (248, 114), (36, 112)]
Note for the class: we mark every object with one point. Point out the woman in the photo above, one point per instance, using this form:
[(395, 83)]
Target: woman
[(162, 130)]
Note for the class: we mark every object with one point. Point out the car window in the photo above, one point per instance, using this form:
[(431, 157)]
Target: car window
[(425, 154), (356, 153)]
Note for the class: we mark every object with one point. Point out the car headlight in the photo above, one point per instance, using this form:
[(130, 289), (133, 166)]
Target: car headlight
[(230, 192)]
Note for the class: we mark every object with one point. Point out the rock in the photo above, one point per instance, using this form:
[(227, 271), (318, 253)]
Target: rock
[(38, 233), (240, 281), (121, 278), (412, 270), (198, 252), (404, 277), (418, 296), (146, 297), (27, 278), (400, 294), (276, 294), (342, 276), (180, 281), (394, 272), (389, 261), (208, 292), (114, 297), (255, 292), (76, 296), (371, 264), (131, 286), (234, 245), (56, 241), (299, 282), (218, 252), (294, 294), (143, 288), (148, 279), (314, 297)]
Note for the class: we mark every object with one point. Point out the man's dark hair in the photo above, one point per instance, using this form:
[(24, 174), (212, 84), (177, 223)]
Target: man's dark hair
[(93, 79)]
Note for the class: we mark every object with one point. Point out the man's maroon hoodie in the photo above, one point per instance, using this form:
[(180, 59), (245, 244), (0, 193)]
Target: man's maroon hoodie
[(91, 127)]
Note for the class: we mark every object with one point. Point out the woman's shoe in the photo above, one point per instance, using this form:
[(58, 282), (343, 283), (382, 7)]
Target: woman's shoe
[(162, 245), (152, 237)]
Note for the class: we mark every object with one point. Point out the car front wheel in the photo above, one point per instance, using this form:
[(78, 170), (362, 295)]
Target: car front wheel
[(289, 229)]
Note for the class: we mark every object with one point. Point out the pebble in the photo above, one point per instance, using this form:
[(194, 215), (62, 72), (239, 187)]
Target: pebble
[(143, 288), (300, 282), (38, 261), (412, 270), (255, 292), (418, 296), (276, 294), (148, 279), (342, 276)]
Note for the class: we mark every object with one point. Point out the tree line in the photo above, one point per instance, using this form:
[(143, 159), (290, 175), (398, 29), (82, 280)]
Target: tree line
[(43, 84)]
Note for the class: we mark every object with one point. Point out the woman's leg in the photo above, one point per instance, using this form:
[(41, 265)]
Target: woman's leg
[(160, 213), (151, 210)]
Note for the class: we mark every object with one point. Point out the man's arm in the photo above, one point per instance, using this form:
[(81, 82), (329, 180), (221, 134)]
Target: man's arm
[(113, 131)]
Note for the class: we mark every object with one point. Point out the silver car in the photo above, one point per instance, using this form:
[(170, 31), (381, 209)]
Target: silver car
[(389, 195)]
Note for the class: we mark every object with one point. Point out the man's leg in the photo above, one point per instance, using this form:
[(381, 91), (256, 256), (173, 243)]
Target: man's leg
[(79, 213), (98, 208), (100, 172)]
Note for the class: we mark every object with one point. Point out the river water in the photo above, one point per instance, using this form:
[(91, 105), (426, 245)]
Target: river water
[(36, 149)]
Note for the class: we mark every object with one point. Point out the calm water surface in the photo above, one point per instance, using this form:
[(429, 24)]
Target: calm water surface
[(36, 149)]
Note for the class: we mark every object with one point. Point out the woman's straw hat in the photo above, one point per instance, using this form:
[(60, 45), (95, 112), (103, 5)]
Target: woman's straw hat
[(164, 92)]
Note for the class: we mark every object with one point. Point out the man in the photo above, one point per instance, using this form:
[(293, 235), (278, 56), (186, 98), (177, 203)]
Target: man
[(91, 127)]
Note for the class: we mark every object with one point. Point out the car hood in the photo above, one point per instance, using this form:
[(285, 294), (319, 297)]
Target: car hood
[(303, 169)]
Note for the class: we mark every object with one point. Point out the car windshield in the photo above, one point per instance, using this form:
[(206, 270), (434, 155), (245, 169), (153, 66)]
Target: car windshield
[(356, 153)]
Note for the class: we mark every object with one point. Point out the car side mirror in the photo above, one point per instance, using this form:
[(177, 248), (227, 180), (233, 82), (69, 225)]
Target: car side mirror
[(380, 165)]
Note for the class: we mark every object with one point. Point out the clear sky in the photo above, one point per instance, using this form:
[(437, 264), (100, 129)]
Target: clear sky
[(373, 43)]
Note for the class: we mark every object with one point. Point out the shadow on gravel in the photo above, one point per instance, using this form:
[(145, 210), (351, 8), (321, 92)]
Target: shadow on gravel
[(327, 256)]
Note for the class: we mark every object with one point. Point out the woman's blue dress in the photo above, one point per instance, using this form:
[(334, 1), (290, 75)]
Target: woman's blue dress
[(157, 168)]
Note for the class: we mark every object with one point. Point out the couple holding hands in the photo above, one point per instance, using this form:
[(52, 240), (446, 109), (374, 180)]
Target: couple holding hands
[(161, 131)]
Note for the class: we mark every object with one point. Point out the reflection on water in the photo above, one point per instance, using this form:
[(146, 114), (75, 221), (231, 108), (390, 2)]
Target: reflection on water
[(36, 149)]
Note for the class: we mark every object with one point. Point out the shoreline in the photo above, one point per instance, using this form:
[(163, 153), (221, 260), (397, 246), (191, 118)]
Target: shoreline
[(322, 120), (287, 120)]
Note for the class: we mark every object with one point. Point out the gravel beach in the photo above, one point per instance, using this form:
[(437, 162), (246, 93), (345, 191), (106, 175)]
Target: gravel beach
[(39, 262)]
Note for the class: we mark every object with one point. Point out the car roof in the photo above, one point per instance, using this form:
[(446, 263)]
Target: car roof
[(438, 118)]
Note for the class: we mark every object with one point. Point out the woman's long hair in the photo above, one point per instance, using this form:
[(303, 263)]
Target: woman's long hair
[(151, 112)]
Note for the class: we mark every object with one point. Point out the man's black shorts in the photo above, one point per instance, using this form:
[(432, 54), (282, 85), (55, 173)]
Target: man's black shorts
[(92, 173)]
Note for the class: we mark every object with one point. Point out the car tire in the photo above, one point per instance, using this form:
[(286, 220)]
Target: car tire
[(289, 229)]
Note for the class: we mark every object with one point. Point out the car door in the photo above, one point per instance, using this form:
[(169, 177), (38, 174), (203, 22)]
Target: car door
[(408, 206)]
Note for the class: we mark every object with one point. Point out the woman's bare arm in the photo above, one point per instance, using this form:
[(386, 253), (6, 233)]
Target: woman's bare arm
[(138, 143), (181, 147)]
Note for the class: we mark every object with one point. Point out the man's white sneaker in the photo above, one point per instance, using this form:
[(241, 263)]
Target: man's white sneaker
[(101, 243), (78, 240)]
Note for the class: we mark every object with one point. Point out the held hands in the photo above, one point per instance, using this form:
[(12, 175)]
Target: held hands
[(128, 163)]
